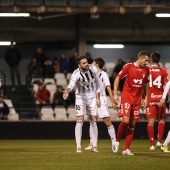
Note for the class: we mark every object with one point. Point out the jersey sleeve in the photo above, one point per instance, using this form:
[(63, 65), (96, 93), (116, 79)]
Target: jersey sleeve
[(124, 72), (166, 89), (97, 79), (73, 80), (106, 80)]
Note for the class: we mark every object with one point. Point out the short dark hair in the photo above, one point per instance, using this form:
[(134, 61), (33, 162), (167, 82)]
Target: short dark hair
[(39, 83), (155, 56), (100, 62), (79, 58), (143, 53)]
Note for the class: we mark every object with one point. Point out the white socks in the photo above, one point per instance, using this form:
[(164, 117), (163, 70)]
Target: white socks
[(111, 131), (78, 132), (93, 133)]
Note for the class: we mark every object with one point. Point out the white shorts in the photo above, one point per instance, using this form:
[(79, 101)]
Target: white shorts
[(88, 107), (103, 109)]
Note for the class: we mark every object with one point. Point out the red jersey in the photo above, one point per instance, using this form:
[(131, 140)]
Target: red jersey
[(43, 95), (135, 79), (158, 76)]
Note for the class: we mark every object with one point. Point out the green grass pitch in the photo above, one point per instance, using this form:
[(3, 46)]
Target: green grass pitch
[(61, 155)]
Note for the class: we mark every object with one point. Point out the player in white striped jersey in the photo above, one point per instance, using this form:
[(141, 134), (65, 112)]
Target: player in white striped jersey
[(87, 82), (164, 146), (103, 112)]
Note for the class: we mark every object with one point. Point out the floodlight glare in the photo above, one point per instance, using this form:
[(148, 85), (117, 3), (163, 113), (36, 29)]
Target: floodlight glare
[(14, 14), (108, 46), (162, 15), (4, 43)]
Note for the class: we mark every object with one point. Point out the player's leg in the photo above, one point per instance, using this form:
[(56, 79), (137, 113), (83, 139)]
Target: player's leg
[(161, 124), (80, 110), (92, 112), (90, 146), (111, 129), (78, 132), (134, 116), (128, 137), (124, 112), (150, 130), (151, 114), (94, 132), (103, 113)]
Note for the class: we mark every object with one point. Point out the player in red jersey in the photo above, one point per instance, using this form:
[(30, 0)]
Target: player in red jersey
[(136, 77), (158, 78)]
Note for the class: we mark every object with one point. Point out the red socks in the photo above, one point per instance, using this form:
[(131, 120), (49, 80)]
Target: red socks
[(129, 136), (150, 130), (121, 130), (161, 128)]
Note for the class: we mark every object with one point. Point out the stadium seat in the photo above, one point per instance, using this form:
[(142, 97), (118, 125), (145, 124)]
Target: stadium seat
[(49, 81), (47, 113), (62, 82), (114, 114), (68, 77), (71, 114), (8, 102), (35, 88), (12, 116), (109, 103), (52, 88), (60, 114), (34, 80), (59, 76)]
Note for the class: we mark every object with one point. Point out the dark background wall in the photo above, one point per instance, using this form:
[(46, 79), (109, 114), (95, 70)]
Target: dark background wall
[(63, 130)]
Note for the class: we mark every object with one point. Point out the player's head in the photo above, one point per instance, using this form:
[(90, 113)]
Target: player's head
[(143, 58), (40, 84), (155, 57), (99, 62), (82, 63)]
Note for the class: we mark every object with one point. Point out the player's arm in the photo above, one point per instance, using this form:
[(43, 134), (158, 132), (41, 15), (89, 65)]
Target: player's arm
[(145, 95), (166, 91), (116, 86), (70, 86), (97, 79), (111, 95)]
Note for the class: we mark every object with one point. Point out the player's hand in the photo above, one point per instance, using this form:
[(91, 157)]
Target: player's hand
[(115, 99), (65, 95), (114, 105), (161, 102)]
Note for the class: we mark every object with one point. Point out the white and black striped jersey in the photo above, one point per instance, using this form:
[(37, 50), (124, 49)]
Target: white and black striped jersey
[(104, 78), (87, 83)]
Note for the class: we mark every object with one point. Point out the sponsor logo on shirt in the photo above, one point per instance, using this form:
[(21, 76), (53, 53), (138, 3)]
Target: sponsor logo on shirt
[(155, 96), (138, 82)]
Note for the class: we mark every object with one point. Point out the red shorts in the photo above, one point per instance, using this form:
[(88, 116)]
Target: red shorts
[(130, 110), (155, 111)]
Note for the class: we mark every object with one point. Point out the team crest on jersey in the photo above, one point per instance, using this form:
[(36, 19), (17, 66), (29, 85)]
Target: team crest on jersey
[(126, 111)]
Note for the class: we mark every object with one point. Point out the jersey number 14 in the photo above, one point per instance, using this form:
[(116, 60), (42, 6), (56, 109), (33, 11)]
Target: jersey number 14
[(156, 82)]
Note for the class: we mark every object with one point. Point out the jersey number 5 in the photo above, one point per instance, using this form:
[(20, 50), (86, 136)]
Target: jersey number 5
[(156, 82)]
